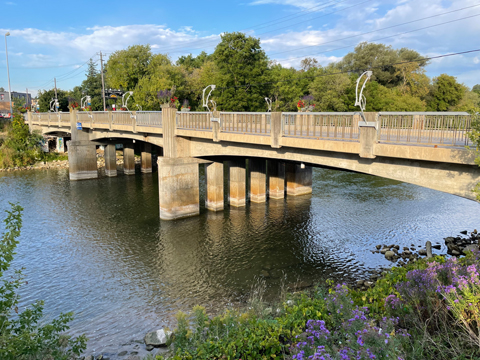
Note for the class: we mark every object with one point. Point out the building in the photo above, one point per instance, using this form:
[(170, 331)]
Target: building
[(5, 100)]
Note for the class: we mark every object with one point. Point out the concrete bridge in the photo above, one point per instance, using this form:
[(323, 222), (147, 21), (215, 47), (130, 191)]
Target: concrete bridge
[(425, 149)]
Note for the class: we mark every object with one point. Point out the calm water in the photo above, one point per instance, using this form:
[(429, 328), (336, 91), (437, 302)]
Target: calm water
[(98, 247)]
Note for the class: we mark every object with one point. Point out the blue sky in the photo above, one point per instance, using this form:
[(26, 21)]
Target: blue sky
[(54, 39)]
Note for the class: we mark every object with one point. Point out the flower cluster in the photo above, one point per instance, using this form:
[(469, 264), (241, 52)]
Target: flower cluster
[(164, 95), (185, 105), (306, 104), (351, 335)]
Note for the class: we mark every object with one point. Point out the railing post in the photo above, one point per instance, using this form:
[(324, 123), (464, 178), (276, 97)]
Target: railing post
[(216, 126), (110, 115), (368, 135), (276, 129), (134, 122)]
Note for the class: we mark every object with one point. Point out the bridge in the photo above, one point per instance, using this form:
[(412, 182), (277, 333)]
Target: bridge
[(425, 149)]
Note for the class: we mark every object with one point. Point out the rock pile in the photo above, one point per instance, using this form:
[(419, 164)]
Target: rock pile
[(458, 246)]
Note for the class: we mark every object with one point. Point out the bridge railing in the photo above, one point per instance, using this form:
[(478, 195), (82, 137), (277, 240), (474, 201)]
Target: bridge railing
[(194, 120), (149, 118), (125, 118), (442, 128), (340, 125), (246, 122)]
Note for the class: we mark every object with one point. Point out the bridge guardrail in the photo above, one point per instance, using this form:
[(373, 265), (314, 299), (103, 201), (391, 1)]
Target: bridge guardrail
[(339, 125), (194, 120), (149, 118), (258, 123), (442, 128)]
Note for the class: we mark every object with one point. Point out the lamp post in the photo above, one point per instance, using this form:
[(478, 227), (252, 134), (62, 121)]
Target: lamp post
[(8, 75)]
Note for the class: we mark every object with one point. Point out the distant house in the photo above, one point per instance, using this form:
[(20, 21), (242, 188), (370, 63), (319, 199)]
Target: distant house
[(5, 100)]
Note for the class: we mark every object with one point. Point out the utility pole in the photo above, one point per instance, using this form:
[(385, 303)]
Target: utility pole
[(55, 81), (103, 82), (27, 103)]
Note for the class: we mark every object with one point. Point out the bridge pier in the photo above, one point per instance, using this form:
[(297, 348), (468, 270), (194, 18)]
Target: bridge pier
[(214, 178), (82, 154), (258, 180), (237, 182), (110, 156), (178, 182), (276, 179), (146, 158), (299, 179), (128, 159)]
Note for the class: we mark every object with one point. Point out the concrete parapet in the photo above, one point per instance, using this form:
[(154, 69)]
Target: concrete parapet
[(258, 180), (214, 178), (178, 181), (146, 158), (276, 179), (299, 179), (368, 139), (128, 159), (110, 155), (237, 182)]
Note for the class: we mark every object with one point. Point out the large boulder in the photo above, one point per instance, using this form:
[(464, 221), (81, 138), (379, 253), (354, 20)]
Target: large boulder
[(157, 338), (389, 255)]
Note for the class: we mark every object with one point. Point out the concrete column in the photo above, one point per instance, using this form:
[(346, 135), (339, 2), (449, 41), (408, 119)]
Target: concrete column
[(214, 196), (368, 136), (82, 154), (146, 158), (128, 159), (258, 180), (174, 146), (276, 129), (276, 179), (110, 155), (237, 182), (299, 180), (178, 181)]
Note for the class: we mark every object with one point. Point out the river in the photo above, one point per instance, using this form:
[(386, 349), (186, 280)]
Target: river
[(98, 247)]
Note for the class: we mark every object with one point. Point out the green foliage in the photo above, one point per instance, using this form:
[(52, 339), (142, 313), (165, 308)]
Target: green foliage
[(243, 73), (20, 147), (125, 68), (445, 94), (23, 334), (46, 96), (331, 91)]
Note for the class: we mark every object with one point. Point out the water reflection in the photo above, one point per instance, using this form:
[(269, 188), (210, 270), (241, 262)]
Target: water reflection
[(99, 248)]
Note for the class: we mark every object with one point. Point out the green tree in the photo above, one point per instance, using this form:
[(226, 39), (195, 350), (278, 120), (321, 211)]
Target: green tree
[(2, 89), (287, 88), (191, 62), (24, 335), (330, 90), (445, 93), (380, 59), (92, 86), (476, 89), (46, 96), (243, 73), (125, 68), (381, 98)]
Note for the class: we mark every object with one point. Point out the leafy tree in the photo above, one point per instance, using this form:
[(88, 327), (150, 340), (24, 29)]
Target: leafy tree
[(24, 334), (190, 62), (476, 89), (381, 98), (2, 89), (309, 63), (330, 91), (46, 96), (161, 74), (125, 68), (243, 74), (287, 88), (380, 59), (197, 80), (92, 86), (469, 102), (445, 93)]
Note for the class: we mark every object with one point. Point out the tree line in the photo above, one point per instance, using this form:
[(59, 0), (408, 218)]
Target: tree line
[(245, 76)]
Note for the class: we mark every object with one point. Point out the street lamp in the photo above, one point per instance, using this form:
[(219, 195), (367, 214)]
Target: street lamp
[(8, 75)]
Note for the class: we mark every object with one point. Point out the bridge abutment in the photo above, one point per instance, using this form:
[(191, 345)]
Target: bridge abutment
[(214, 177), (276, 179), (299, 179), (110, 155), (128, 159), (82, 154), (146, 158), (237, 182), (258, 180)]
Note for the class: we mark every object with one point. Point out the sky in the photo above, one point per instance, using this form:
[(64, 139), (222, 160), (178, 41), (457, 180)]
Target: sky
[(51, 39)]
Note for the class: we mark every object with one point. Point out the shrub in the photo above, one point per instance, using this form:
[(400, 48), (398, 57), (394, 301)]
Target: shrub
[(22, 336)]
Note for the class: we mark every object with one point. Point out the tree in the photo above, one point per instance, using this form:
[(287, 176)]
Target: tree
[(476, 89), (25, 334), (380, 59), (243, 73), (190, 62), (308, 63), (445, 93), (125, 68), (330, 90), (46, 96), (287, 88), (2, 89), (92, 86)]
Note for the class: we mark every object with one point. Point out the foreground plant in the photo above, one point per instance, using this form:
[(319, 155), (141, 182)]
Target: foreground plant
[(23, 335)]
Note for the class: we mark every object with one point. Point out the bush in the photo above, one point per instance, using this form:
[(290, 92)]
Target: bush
[(22, 336)]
